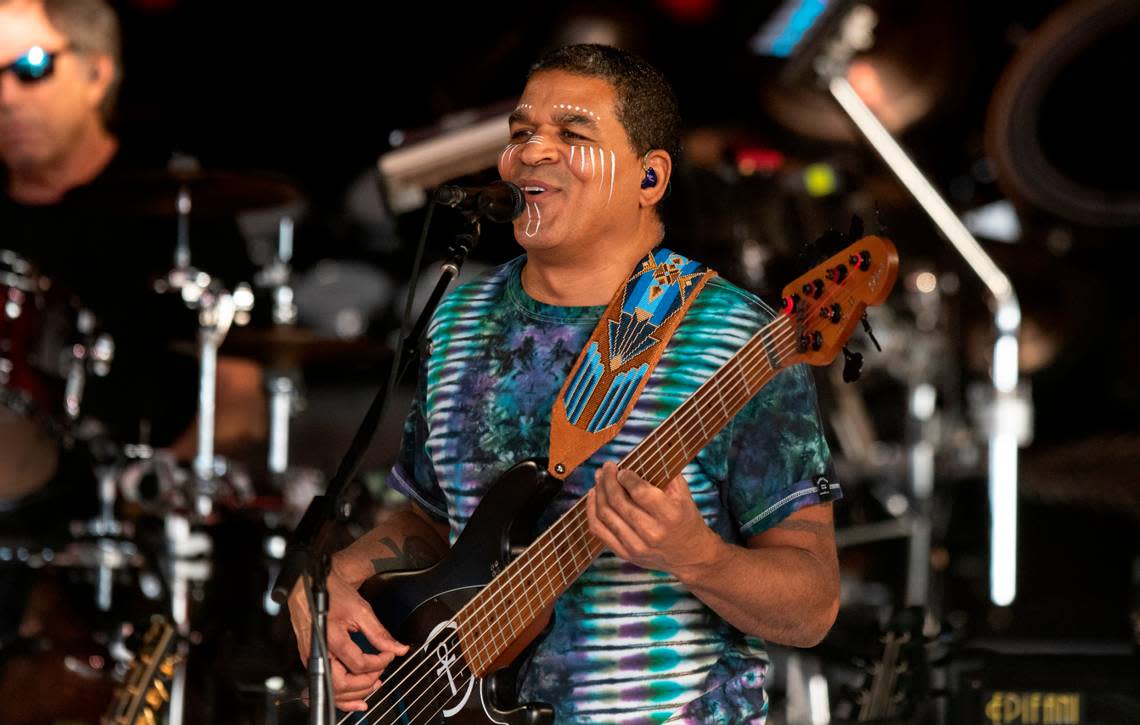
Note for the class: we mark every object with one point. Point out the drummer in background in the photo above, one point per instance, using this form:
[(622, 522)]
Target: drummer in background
[(59, 74), (61, 71)]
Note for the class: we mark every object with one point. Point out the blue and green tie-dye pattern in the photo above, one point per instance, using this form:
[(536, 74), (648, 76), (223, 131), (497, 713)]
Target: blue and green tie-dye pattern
[(627, 645)]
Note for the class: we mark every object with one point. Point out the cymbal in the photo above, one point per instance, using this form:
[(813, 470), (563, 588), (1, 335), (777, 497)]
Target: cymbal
[(213, 193), (291, 347), (905, 77)]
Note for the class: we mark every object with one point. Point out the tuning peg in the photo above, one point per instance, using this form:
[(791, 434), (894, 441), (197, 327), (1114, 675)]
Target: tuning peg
[(867, 329), (852, 365), (154, 699), (157, 695)]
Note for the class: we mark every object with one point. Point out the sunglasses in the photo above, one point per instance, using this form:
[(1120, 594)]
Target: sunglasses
[(34, 65)]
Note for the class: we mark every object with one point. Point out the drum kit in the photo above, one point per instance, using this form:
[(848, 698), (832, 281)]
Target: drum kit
[(155, 535)]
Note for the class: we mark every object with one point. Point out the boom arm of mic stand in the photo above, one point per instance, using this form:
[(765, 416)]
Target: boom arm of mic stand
[(313, 534)]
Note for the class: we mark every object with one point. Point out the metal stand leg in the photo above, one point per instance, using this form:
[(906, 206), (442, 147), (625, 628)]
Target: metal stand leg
[(920, 475), (282, 392)]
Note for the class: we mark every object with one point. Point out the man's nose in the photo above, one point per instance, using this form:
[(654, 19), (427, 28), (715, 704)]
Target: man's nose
[(538, 149)]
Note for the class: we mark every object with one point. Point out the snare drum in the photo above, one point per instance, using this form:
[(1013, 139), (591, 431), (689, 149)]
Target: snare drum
[(47, 346)]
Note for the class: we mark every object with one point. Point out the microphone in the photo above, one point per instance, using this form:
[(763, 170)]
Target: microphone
[(500, 201)]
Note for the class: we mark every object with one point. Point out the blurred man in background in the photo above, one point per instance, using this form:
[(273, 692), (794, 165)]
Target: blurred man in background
[(61, 74), (64, 235)]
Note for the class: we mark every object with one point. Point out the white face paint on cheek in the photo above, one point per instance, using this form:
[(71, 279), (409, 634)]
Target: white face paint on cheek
[(534, 218), (613, 168), (597, 166), (505, 157)]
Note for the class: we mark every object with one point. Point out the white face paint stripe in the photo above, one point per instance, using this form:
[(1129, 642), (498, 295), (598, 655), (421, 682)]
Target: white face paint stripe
[(592, 168), (583, 165), (613, 166), (507, 152), (572, 154), (537, 222), (602, 158)]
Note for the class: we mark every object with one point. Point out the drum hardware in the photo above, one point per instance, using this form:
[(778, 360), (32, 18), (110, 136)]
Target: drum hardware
[(830, 60), (284, 396), (188, 499), (277, 276), (112, 546), (49, 346), (188, 564), (282, 399), (92, 353), (218, 309), (182, 498)]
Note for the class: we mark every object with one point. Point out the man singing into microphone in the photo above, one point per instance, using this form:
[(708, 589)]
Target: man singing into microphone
[(669, 622)]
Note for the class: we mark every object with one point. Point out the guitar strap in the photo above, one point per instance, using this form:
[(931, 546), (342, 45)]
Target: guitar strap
[(620, 355)]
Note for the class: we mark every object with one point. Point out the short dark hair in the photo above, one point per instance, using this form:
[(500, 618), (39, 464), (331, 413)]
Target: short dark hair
[(646, 105)]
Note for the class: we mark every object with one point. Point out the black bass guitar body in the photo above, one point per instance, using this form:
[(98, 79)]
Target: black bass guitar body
[(430, 683)]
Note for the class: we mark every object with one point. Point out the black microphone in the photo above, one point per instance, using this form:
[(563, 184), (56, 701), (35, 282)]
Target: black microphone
[(500, 201)]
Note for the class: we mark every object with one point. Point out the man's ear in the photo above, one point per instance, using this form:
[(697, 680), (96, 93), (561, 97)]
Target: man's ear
[(101, 71), (661, 165)]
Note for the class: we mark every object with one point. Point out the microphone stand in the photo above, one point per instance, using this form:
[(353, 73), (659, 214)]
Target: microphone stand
[(320, 668), (311, 542)]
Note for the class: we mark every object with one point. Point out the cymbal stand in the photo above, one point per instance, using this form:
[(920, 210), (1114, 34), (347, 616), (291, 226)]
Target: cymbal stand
[(281, 383), (215, 315), (280, 276), (183, 164), (218, 309), (187, 551), (1010, 414), (105, 525), (91, 353), (182, 248)]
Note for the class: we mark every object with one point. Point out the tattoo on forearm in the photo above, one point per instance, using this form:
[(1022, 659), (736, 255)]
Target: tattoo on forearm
[(417, 553), (810, 527)]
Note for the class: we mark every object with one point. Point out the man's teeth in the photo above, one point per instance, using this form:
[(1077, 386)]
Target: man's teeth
[(533, 189)]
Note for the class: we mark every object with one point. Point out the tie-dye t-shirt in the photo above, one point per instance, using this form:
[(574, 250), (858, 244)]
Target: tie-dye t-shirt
[(627, 645)]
